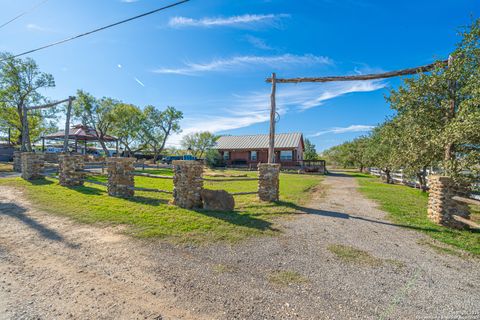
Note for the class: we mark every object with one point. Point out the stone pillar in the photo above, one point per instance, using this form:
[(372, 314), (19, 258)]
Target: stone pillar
[(120, 179), (187, 184), (70, 167), (441, 206), (32, 165), (17, 161), (268, 183)]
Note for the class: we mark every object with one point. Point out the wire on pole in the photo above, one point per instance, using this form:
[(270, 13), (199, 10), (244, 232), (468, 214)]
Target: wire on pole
[(97, 30), (23, 13)]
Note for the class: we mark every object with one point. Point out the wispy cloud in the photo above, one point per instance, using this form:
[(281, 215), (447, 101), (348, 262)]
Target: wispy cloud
[(245, 20), (338, 130), (258, 42), (252, 108), (128, 1), (333, 90), (279, 61), (36, 27)]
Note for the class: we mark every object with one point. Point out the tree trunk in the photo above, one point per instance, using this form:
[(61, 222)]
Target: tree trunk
[(104, 147), (389, 176), (361, 168)]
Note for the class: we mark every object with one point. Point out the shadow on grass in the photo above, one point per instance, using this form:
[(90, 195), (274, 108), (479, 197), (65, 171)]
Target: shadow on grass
[(146, 200), (40, 182), (15, 211), (341, 215), (239, 219), (91, 191)]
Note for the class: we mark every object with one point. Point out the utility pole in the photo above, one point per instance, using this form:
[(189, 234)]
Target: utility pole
[(67, 124), (449, 149), (273, 112)]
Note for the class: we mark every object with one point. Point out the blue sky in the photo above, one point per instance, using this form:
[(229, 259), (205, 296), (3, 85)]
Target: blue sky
[(209, 58)]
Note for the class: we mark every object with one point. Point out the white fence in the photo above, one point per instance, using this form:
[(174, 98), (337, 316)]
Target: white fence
[(399, 177)]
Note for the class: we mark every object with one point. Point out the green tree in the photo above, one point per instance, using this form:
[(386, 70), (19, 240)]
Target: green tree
[(444, 106), (20, 82), (126, 126), (157, 126), (310, 152), (96, 114), (199, 142)]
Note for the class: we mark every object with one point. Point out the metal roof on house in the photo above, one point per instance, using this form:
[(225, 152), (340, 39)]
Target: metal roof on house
[(259, 141), (80, 133)]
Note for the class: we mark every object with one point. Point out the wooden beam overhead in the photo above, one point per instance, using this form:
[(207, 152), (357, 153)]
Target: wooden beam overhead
[(374, 76)]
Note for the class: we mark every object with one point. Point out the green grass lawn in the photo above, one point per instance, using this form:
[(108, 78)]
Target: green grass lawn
[(408, 206), (150, 214)]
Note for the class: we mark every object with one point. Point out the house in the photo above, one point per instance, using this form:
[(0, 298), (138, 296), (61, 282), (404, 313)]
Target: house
[(252, 149)]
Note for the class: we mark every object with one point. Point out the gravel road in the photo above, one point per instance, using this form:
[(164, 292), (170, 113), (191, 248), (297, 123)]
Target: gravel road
[(52, 268)]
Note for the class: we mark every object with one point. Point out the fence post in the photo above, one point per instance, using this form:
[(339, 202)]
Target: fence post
[(187, 184), (32, 165), (70, 170), (268, 181), (120, 178), (441, 206)]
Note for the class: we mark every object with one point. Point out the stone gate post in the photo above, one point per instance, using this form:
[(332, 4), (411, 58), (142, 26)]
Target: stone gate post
[(120, 178), (269, 182), (17, 161), (70, 167), (187, 184), (32, 165), (441, 205)]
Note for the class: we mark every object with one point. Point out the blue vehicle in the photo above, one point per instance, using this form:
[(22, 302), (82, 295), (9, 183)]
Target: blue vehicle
[(169, 159)]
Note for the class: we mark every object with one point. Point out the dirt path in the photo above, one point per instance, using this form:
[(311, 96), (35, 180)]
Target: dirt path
[(52, 268)]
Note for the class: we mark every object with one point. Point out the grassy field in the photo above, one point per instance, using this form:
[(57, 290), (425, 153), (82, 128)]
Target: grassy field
[(151, 215), (408, 207)]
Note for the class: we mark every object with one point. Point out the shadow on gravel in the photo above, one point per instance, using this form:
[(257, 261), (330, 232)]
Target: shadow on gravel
[(236, 218), (15, 211), (341, 215)]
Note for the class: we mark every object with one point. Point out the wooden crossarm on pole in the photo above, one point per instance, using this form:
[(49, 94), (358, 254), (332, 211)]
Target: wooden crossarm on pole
[(374, 76)]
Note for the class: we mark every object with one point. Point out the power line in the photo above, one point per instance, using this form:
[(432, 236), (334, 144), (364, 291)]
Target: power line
[(23, 13), (97, 30)]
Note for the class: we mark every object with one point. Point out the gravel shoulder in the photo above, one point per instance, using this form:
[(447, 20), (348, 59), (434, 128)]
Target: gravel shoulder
[(52, 268)]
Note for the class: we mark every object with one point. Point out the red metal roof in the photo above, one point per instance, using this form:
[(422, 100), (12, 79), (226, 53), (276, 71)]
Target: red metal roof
[(80, 133)]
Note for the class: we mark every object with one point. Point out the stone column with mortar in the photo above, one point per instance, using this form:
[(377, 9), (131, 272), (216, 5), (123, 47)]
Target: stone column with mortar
[(441, 206), (70, 170), (269, 181), (17, 161), (187, 184), (33, 165), (120, 178)]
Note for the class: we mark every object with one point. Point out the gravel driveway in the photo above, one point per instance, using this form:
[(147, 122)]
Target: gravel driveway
[(52, 268)]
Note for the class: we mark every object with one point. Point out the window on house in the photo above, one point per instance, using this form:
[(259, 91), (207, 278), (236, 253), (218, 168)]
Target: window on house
[(286, 155), (253, 155), (226, 155)]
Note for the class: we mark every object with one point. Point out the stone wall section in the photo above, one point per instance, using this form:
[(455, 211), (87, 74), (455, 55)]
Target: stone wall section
[(17, 161), (441, 205), (70, 170), (187, 184), (120, 177), (269, 181), (32, 165)]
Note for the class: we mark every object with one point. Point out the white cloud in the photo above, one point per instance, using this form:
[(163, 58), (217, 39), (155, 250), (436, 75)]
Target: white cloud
[(233, 21), (279, 61), (129, 1), (245, 110), (35, 27), (338, 130), (258, 42), (335, 89)]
